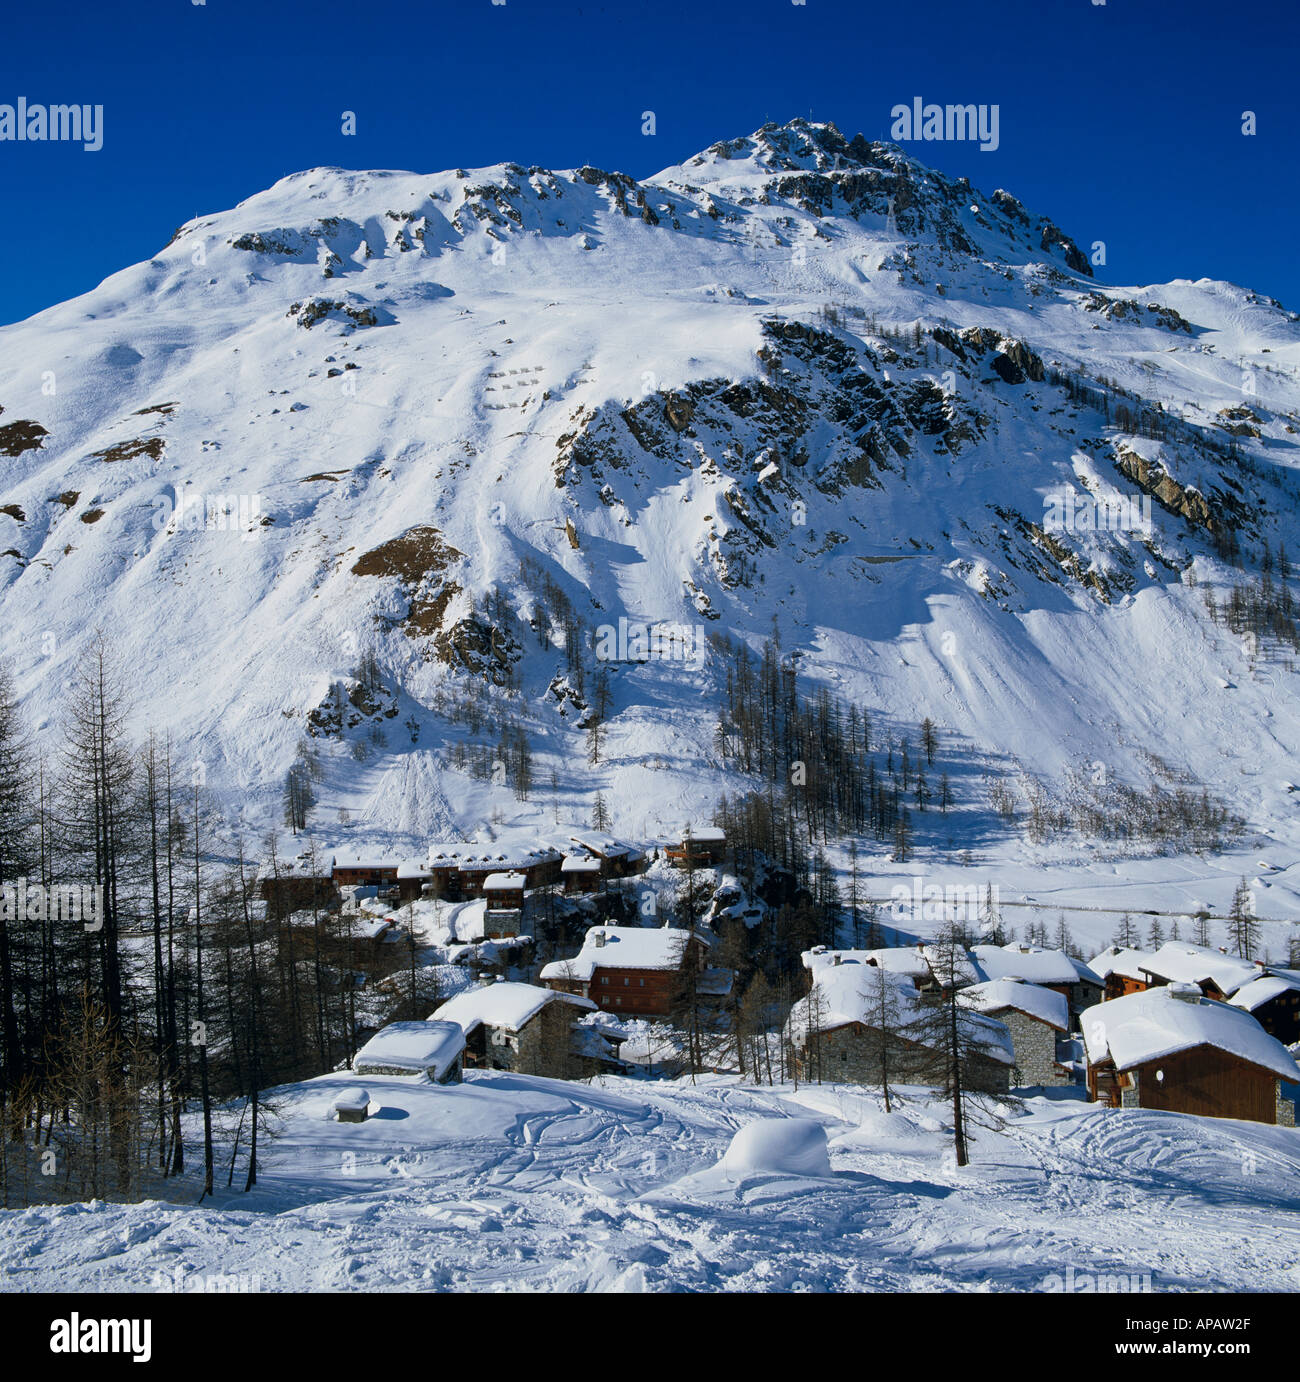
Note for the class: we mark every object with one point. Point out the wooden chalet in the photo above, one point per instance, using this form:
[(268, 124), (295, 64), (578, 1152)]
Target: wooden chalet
[(617, 858), (581, 873), (297, 891), (364, 870), (1120, 971), (1172, 1048), (1273, 1000), (1216, 973), (414, 880), (458, 872), (630, 970), (699, 847)]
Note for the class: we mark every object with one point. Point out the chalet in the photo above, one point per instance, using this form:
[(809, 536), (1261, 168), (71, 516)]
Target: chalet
[(458, 872), (835, 1035), (1080, 986), (631, 969), (1273, 1000), (1035, 1016), (1027, 963), (364, 870), (1172, 1048), (698, 847), (288, 890), (617, 858), (1216, 973), (901, 962), (431, 1048), (503, 894), (369, 934), (414, 880), (581, 873), (520, 1027), (1120, 970)]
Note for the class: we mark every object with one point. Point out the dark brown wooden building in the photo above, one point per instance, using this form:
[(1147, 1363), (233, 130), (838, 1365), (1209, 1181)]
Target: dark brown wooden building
[(700, 847), (630, 969), (1171, 1048)]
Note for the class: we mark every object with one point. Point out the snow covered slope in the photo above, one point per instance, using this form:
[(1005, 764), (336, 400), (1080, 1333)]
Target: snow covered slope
[(510, 1183), (797, 378)]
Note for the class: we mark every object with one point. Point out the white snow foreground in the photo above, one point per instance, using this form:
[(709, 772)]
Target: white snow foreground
[(507, 1183)]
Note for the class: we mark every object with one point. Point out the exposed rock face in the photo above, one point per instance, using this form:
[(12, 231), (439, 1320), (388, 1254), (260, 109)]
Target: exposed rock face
[(129, 450), (1126, 309), (1165, 490), (315, 310), (1240, 421), (412, 556), (478, 647), (347, 704), (679, 412), (20, 436)]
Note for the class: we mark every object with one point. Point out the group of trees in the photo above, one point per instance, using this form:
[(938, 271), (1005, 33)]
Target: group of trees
[(140, 975), (1099, 806), (1263, 609), (823, 775)]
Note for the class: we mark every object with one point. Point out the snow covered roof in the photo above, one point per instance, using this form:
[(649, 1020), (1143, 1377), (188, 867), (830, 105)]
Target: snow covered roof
[(365, 861), (1262, 990), (502, 882), (1027, 962), (415, 1046), (580, 863), (844, 994), (1117, 960), (941, 959), (997, 995), (1177, 1017), (716, 983), (900, 959), (607, 847), (704, 834), (412, 868), (506, 1005), (1180, 962), (373, 928), (500, 856), (624, 947)]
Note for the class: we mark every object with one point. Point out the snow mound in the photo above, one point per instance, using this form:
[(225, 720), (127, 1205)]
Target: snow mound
[(787, 1146)]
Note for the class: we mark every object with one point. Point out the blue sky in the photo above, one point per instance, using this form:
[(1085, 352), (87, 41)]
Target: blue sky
[(1120, 121)]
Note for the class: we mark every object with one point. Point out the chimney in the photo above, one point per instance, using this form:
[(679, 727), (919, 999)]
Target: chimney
[(836, 957), (597, 939), (1185, 993)]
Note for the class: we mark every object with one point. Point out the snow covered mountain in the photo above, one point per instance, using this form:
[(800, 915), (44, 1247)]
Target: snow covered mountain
[(797, 380)]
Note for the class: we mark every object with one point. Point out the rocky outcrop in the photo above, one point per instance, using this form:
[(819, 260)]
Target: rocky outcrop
[(316, 310), (20, 436), (1154, 480), (1240, 421)]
